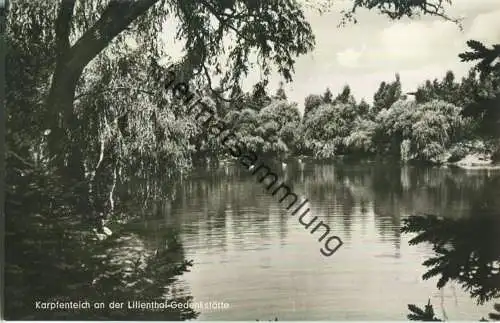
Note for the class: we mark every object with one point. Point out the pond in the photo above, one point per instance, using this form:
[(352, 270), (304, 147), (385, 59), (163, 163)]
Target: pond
[(251, 254)]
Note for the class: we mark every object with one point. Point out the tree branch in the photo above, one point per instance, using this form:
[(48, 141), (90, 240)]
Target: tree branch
[(224, 22), (115, 18), (396, 9), (63, 26), (24, 161), (121, 88)]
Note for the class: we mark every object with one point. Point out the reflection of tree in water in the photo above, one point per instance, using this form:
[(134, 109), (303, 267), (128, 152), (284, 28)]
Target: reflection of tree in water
[(53, 255), (217, 206), (467, 249), (325, 189), (388, 202)]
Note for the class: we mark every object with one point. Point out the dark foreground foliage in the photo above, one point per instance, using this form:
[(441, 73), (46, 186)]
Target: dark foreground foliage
[(53, 255), (427, 314), (467, 250), (418, 314)]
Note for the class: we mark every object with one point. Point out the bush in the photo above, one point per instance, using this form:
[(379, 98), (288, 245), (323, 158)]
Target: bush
[(457, 152)]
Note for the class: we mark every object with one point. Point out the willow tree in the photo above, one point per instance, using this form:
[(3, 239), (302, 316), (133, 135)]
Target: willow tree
[(74, 47), (76, 32), (278, 123)]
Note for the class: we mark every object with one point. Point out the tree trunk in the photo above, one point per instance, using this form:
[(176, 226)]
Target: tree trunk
[(61, 118), (64, 140)]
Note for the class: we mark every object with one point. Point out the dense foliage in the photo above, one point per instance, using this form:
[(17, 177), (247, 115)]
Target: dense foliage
[(444, 120), (441, 121)]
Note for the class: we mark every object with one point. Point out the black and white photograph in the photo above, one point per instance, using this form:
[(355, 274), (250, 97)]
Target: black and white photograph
[(251, 160)]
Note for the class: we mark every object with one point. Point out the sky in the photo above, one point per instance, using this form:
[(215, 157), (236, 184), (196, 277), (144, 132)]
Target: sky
[(374, 49), (364, 54)]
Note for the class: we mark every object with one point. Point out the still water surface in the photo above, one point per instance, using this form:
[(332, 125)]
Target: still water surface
[(250, 253)]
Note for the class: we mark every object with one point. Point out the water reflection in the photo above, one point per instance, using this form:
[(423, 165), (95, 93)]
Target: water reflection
[(250, 253)]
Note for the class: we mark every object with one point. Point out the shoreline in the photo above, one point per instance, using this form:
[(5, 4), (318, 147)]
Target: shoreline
[(470, 162)]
